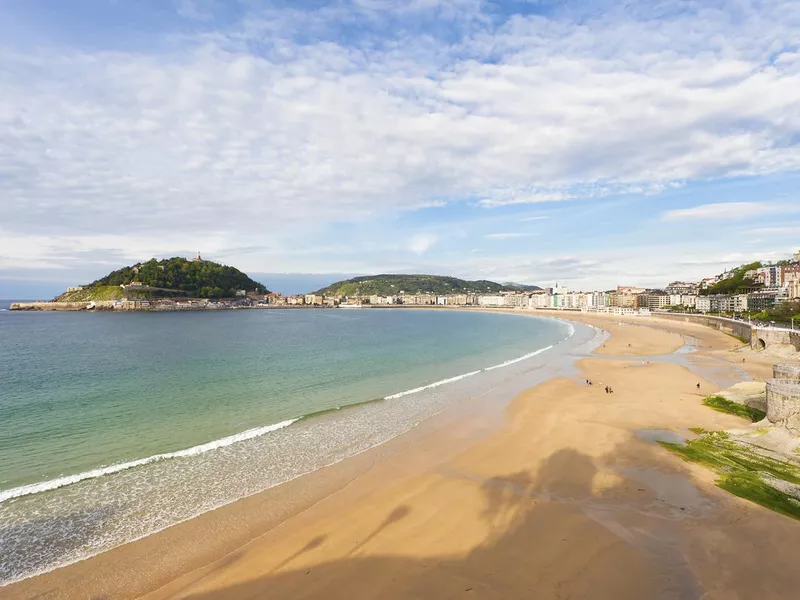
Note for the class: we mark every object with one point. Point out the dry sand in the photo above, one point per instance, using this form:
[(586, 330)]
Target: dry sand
[(566, 500)]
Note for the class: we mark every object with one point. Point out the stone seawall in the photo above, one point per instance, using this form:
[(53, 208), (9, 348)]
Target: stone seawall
[(764, 337), (787, 372), (783, 399), (731, 327)]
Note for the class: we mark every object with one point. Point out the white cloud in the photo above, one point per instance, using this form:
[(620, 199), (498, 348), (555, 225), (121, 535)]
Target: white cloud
[(194, 9), (729, 211), (507, 235), (247, 134), (419, 244), (781, 230)]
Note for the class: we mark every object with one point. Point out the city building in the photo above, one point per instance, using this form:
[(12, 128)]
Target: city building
[(654, 301), (758, 301), (680, 288), (770, 276), (491, 300)]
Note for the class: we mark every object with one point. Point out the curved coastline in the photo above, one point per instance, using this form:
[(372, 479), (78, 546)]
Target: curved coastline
[(52, 484), (244, 436)]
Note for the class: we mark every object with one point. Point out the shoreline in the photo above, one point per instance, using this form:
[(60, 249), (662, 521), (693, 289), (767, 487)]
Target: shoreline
[(548, 351), (270, 514)]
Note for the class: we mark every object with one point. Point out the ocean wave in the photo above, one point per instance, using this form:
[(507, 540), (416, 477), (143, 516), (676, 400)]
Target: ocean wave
[(519, 359), (52, 484), (432, 385)]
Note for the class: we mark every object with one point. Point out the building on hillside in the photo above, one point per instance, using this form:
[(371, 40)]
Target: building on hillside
[(770, 277), (790, 275), (708, 282), (762, 300), (794, 290), (196, 258), (796, 257), (681, 288)]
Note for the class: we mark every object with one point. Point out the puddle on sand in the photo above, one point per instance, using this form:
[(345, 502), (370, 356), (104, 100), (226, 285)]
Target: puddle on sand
[(673, 489), (661, 435)]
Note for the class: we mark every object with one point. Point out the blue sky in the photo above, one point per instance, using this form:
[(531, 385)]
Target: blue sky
[(589, 143)]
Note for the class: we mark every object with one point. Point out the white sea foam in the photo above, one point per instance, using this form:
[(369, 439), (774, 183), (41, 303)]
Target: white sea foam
[(519, 359), (471, 373), (53, 484), (431, 385)]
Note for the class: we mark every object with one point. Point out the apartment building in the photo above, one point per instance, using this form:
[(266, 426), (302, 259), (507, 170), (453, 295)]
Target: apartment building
[(723, 303), (681, 288)]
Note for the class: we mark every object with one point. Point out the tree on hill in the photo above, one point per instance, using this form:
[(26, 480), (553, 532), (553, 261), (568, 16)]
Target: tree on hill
[(735, 284), (200, 278)]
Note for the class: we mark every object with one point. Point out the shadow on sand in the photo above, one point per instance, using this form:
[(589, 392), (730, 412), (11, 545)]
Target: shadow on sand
[(553, 536)]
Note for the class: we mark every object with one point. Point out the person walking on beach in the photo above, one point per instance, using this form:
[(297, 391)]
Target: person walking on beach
[(698, 386)]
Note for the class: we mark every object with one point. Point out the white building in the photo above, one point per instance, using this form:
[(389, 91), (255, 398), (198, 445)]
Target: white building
[(771, 277), (491, 300), (722, 303), (687, 300), (599, 299), (540, 301)]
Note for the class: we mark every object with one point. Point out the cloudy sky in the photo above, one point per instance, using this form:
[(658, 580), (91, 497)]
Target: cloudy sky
[(586, 142)]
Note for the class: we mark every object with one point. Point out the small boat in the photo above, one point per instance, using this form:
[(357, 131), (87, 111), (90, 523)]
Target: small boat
[(350, 305)]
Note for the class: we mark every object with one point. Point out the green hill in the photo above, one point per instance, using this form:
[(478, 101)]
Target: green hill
[(387, 285), (168, 278), (735, 284)]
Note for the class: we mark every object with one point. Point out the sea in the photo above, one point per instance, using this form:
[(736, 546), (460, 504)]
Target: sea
[(116, 426)]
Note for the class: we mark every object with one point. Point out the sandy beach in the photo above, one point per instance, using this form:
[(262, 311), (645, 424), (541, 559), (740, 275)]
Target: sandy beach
[(568, 497)]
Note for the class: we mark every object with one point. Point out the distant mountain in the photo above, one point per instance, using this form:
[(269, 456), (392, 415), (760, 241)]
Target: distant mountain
[(290, 284), (522, 287), (165, 278), (388, 285)]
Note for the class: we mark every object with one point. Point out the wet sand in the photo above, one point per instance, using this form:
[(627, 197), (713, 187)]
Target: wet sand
[(567, 499)]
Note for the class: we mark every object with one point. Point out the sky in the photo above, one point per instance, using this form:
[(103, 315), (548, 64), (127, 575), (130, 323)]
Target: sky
[(589, 143)]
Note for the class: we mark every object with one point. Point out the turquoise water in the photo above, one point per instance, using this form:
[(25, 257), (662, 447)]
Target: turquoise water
[(117, 425)]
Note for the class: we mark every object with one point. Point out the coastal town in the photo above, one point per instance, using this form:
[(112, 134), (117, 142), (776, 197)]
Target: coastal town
[(764, 286)]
